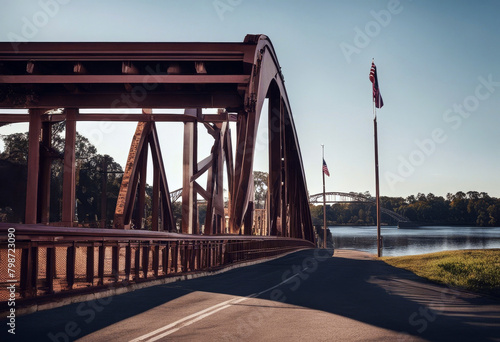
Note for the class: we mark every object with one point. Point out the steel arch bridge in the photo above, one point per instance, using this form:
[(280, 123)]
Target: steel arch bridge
[(55, 81), (235, 78), (351, 197)]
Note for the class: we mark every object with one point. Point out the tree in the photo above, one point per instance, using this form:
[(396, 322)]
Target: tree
[(362, 215), (16, 148), (260, 184), (494, 214), (89, 185), (202, 214), (12, 191), (88, 176), (411, 199), (473, 195), (480, 210), (458, 208)]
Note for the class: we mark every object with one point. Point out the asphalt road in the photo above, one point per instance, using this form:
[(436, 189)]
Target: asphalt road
[(304, 296)]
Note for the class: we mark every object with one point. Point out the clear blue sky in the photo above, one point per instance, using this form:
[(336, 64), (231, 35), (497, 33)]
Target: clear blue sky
[(438, 69)]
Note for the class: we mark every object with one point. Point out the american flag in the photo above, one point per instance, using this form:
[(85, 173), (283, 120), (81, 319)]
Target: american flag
[(377, 97), (325, 169)]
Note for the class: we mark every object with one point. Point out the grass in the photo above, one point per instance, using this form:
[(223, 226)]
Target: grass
[(473, 270)]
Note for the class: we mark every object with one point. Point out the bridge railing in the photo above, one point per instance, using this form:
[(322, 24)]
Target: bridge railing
[(41, 261)]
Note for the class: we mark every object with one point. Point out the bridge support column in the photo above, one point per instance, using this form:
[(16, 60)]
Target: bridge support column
[(69, 176), (45, 168), (33, 166), (104, 197), (189, 202)]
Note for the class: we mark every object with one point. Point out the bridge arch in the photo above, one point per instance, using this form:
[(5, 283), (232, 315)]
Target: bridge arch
[(288, 209), (352, 197)]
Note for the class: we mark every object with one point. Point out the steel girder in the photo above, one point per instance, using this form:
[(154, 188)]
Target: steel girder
[(267, 82), (235, 76)]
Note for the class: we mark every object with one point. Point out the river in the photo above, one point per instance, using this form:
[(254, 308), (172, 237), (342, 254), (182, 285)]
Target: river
[(411, 241)]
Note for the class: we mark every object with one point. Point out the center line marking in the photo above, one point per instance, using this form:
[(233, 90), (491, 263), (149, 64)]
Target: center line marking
[(171, 328)]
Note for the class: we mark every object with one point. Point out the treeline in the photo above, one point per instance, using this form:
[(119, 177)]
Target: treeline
[(89, 176), (471, 208)]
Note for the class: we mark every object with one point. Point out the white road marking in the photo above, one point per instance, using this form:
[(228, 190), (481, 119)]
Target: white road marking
[(157, 331), (197, 319), (188, 320)]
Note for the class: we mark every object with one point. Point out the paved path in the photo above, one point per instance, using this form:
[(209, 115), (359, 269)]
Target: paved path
[(304, 296)]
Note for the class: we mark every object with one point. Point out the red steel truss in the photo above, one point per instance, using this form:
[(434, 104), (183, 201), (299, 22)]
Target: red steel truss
[(236, 78)]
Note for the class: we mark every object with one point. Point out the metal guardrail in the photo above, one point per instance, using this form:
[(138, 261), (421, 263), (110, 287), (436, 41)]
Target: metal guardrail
[(42, 261)]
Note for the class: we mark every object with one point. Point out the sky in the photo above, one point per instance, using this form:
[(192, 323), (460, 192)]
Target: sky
[(438, 71)]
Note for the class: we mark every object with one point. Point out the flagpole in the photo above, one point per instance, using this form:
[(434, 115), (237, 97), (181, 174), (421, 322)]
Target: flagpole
[(377, 190), (324, 198)]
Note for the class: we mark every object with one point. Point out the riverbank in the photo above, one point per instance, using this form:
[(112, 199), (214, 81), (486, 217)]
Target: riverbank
[(473, 270)]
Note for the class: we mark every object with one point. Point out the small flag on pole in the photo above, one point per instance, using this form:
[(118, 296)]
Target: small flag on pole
[(325, 169), (377, 97)]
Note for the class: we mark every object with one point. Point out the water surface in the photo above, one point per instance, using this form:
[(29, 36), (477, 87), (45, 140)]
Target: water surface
[(411, 241)]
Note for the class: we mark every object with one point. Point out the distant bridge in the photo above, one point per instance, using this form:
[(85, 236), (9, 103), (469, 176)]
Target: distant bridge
[(351, 197)]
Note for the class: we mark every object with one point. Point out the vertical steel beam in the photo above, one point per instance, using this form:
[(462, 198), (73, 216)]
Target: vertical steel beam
[(128, 261), (26, 272), (34, 267), (145, 260), (90, 264), (50, 269), (184, 255), (45, 168), (156, 198), (115, 261), (33, 165), (104, 197), (165, 253), (69, 174), (175, 255), (100, 263), (190, 163), (156, 260), (137, 262), (70, 265)]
